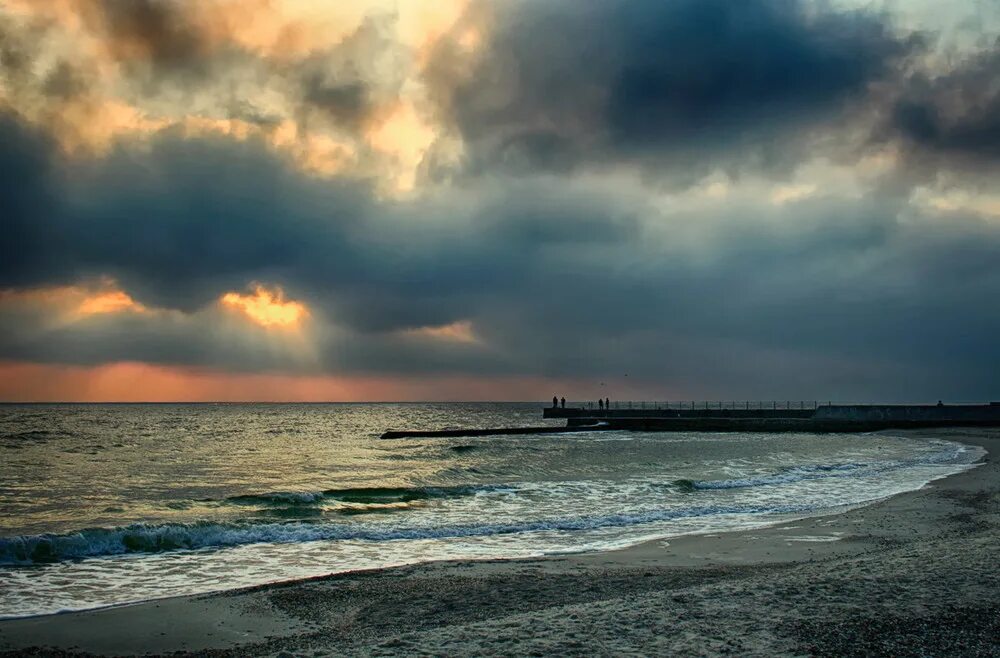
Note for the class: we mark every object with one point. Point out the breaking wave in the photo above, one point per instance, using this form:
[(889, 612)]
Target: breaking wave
[(794, 474), (143, 538), (359, 495), (294, 515)]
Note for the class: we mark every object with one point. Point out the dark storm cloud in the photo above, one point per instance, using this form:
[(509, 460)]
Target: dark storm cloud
[(848, 288), (345, 84), (65, 82), (243, 110), (156, 33), (690, 84), (345, 102), (16, 54), (30, 205), (559, 278), (20, 48), (28, 335), (952, 118), (152, 43), (178, 224)]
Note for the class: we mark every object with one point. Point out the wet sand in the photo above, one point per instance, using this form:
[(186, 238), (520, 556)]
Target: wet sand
[(916, 574)]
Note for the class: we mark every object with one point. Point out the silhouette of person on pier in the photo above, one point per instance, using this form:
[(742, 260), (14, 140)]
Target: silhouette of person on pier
[(600, 404), (563, 401), (607, 404), (555, 402)]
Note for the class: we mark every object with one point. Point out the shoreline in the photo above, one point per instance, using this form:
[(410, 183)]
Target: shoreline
[(639, 598)]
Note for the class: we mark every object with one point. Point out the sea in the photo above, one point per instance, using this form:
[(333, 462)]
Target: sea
[(104, 505)]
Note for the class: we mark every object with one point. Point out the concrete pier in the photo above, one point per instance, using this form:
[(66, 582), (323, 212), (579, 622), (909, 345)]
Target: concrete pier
[(765, 418), (821, 418)]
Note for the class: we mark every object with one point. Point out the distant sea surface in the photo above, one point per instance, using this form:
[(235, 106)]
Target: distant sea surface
[(110, 504)]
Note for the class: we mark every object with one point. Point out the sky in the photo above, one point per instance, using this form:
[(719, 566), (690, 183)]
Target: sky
[(508, 200)]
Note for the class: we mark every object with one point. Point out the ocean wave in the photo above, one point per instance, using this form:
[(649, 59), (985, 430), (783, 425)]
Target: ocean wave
[(146, 538), (794, 474), (293, 517), (686, 485), (278, 498), (356, 495), (33, 435)]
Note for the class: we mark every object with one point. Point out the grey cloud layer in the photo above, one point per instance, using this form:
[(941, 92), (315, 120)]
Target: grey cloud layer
[(687, 84), (952, 119), (559, 280), (831, 296)]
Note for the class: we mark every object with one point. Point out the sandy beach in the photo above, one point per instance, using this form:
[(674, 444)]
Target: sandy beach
[(915, 574)]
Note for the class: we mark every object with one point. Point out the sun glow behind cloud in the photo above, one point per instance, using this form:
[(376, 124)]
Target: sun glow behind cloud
[(143, 382), (102, 75), (74, 303), (455, 332), (405, 137), (268, 308), (956, 201), (789, 193), (112, 301)]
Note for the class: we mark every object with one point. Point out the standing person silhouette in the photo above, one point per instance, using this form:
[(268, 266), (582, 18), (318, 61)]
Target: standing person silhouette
[(555, 402), (563, 401), (600, 404), (607, 404)]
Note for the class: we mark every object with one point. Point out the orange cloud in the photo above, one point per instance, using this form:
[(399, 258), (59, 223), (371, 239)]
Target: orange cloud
[(92, 125), (76, 302), (405, 137), (268, 308), (99, 46), (457, 332), (283, 30), (113, 301)]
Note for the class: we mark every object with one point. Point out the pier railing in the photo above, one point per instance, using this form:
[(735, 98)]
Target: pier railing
[(704, 404)]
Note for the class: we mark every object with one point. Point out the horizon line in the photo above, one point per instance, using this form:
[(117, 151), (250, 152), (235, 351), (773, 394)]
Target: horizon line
[(546, 402)]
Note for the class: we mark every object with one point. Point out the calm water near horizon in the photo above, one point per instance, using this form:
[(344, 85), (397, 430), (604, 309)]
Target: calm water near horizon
[(108, 504)]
